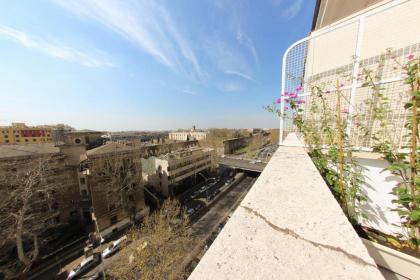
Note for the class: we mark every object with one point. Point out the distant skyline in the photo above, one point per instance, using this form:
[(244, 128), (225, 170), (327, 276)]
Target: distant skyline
[(145, 65)]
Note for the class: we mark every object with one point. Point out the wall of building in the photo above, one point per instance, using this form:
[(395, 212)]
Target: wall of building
[(187, 135), (63, 180), (19, 133), (162, 173), (106, 194), (330, 11), (231, 145)]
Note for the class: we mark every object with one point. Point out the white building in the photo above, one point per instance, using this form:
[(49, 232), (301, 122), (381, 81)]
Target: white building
[(193, 134), (165, 171)]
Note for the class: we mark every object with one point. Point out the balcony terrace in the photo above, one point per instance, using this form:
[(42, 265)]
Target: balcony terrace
[(289, 226)]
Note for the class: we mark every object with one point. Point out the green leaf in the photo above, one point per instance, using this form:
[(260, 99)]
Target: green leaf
[(408, 105), (415, 216)]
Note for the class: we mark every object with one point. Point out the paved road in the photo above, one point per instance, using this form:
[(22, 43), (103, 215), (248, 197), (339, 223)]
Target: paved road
[(221, 208), (241, 164)]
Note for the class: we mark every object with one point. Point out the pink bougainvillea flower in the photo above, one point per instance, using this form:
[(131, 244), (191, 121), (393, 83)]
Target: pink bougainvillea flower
[(410, 57), (301, 102), (299, 88), (278, 100), (345, 110), (292, 95), (286, 100), (328, 91), (286, 108), (285, 93)]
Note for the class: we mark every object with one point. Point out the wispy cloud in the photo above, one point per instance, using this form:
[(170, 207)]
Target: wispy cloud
[(229, 61), (248, 43), (53, 49), (147, 25), (292, 10), (190, 92), (242, 75), (236, 11), (232, 87)]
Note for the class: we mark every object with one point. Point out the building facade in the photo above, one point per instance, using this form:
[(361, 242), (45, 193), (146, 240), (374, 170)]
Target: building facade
[(19, 133), (59, 176), (166, 171), (111, 178), (193, 134)]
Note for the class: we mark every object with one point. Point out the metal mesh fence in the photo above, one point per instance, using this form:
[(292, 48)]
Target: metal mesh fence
[(339, 56)]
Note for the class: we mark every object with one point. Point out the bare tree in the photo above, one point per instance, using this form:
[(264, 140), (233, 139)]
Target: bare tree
[(159, 248), (28, 206)]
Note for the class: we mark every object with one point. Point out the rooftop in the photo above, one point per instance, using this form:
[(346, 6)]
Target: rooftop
[(10, 151), (110, 147), (84, 131)]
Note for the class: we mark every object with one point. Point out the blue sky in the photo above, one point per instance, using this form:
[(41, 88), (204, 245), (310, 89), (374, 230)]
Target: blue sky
[(145, 65)]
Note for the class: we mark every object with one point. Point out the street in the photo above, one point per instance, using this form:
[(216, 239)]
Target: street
[(204, 223)]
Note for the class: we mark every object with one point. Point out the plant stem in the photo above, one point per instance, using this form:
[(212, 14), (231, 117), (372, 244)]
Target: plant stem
[(415, 87), (340, 148), (414, 132)]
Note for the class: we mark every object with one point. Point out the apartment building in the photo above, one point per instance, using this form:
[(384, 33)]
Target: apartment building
[(111, 178), (185, 135), (166, 171), (16, 160), (20, 133)]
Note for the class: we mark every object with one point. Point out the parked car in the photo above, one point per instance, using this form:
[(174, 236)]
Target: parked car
[(190, 211), (114, 247), (84, 266), (198, 207), (258, 161), (211, 196), (253, 162)]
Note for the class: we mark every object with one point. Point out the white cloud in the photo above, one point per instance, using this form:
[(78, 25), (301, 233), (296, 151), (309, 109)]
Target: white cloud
[(190, 92), (47, 47), (247, 42), (242, 75), (232, 87), (292, 10), (229, 61), (144, 23)]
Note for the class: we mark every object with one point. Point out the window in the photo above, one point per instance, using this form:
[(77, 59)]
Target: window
[(18, 140), (26, 140), (7, 141), (77, 141), (17, 135), (82, 181), (113, 220), (33, 140), (84, 192), (6, 136)]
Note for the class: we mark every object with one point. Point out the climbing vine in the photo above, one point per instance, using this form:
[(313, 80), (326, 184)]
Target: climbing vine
[(323, 127)]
